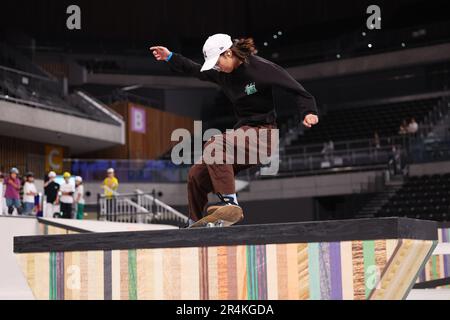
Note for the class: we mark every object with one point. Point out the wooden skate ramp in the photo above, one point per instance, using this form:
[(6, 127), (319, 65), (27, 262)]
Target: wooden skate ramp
[(341, 259)]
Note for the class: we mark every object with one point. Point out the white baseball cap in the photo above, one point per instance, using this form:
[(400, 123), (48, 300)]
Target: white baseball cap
[(52, 174), (110, 170), (79, 179), (214, 46)]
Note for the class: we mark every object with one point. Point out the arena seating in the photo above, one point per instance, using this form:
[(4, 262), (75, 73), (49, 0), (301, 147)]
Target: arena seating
[(424, 197), (47, 94), (362, 122)]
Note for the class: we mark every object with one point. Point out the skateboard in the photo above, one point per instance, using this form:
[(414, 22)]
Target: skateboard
[(222, 217)]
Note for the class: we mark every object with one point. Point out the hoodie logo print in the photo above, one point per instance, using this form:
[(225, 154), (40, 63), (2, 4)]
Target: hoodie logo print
[(250, 88)]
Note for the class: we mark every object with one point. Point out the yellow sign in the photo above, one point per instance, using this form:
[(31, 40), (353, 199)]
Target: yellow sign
[(54, 159)]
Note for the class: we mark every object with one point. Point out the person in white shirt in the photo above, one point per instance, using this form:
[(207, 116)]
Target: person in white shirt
[(79, 197), (413, 126), (67, 190), (29, 194)]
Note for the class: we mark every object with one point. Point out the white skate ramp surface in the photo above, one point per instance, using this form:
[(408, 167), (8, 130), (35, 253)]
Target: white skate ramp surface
[(105, 226), (13, 285)]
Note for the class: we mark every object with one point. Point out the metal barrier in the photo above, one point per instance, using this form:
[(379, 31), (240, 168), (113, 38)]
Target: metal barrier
[(138, 207)]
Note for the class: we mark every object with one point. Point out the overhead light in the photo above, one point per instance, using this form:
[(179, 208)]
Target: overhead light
[(338, 56), (369, 45), (275, 36), (403, 44), (280, 33), (133, 87), (363, 34), (265, 44)]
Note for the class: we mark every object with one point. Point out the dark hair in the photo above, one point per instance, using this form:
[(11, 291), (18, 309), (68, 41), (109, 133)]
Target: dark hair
[(243, 48)]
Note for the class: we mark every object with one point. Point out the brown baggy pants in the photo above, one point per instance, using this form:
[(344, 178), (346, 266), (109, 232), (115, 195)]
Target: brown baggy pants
[(204, 178)]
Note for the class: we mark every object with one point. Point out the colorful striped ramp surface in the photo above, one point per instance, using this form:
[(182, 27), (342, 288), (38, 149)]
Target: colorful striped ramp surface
[(438, 266), (372, 269)]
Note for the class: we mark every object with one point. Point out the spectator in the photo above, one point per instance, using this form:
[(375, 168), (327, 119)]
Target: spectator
[(395, 160), (403, 128), (67, 191), (376, 140), (29, 193), (413, 126), (51, 190), (2, 201), (377, 144), (328, 151), (12, 195), (110, 185), (79, 198)]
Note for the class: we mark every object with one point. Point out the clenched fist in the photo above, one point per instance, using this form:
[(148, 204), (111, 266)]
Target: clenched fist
[(160, 53), (310, 120)]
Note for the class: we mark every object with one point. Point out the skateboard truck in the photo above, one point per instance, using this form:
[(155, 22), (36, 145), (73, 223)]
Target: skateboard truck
[(217, 224)]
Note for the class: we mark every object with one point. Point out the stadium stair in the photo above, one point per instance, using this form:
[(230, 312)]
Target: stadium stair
[(374, 205)]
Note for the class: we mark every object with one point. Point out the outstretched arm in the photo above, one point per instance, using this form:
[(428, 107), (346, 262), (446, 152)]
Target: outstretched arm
[(181, 64), (304, 101)]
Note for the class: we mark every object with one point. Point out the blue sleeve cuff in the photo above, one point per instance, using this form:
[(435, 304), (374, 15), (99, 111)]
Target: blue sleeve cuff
[(170, 56)]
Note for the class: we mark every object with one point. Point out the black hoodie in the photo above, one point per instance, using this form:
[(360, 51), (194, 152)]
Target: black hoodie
[(250, 88)]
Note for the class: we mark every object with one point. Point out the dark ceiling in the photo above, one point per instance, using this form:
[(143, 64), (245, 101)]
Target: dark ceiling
[(187, 23)]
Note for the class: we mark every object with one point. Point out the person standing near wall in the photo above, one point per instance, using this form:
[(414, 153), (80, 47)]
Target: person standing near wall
[(67, 190), (79, 198), (29, 193), (51, 191), (110, 185), (12, 192)]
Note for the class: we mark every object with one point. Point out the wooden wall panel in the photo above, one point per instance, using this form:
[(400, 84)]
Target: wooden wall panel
[(156, 140), (149, 145), (24, 155)]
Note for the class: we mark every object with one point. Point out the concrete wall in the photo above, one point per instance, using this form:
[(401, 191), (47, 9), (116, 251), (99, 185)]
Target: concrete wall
[(394, 59), (12, 282), (34, 124), (429, 168), (310, 186), (173, 193)]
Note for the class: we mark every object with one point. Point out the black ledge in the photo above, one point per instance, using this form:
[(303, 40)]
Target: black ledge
[(317, 231)]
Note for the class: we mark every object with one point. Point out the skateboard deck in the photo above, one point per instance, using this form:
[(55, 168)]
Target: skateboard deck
[(224, 216)]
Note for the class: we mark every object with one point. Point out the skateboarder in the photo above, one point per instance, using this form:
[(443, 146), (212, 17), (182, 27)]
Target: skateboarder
[(249, 81)]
